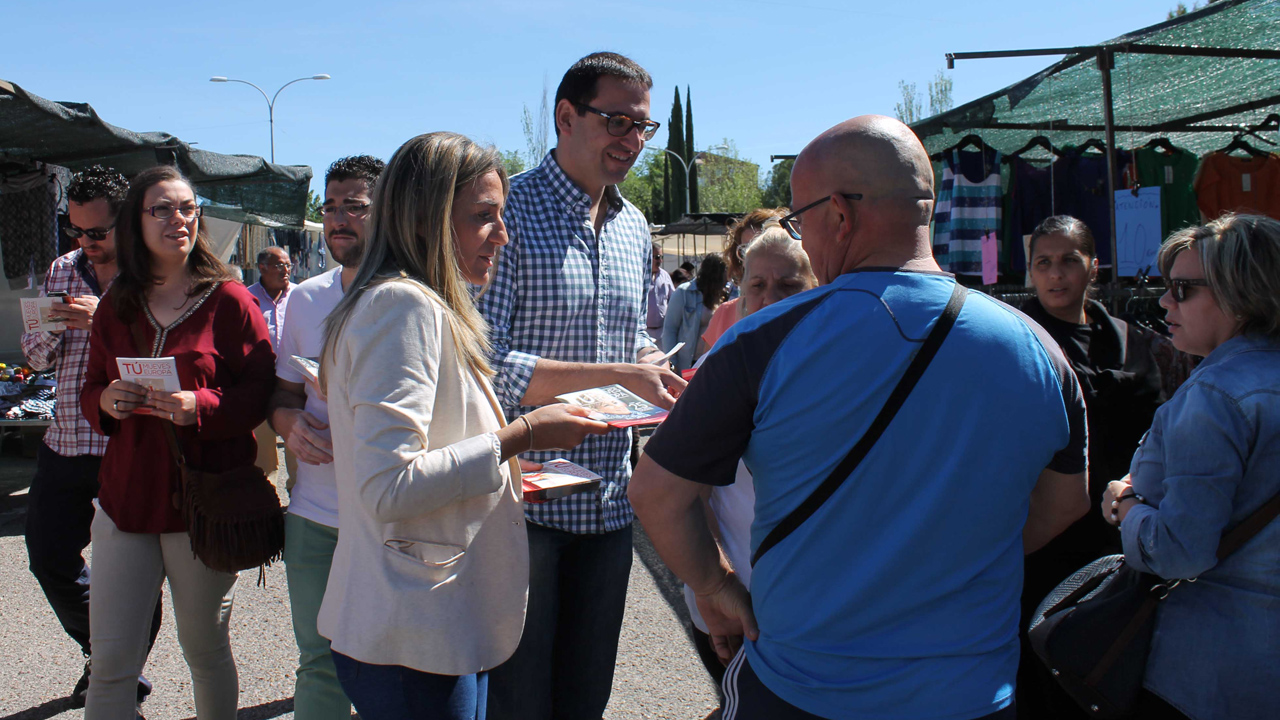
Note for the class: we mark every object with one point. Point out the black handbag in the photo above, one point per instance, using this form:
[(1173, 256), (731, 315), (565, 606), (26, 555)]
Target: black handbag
[(1094, 630)]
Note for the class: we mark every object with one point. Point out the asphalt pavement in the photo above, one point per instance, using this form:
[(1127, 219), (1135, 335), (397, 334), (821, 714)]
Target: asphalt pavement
[(658, 673)]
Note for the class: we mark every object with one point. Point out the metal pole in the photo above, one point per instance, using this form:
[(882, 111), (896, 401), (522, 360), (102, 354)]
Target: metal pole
[(271, 119), (1106, 61)]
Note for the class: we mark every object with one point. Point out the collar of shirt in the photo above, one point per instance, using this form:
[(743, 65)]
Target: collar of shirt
[(574, 199)]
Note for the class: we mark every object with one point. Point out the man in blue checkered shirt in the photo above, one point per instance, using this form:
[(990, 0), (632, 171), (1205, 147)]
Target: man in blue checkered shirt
[(566, 309)]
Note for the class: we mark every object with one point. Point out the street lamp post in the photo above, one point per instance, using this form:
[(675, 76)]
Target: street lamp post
[(271, 101), (688, 206)]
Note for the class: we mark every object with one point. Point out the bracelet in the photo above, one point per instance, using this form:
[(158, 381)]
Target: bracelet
[(1126, 494), (529, 427)]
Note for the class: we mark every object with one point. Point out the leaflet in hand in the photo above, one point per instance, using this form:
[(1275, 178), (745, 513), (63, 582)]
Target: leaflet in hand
[(558, 478), (36, 312), (155, 373), (309, 367), (667, 355), (616, 405)]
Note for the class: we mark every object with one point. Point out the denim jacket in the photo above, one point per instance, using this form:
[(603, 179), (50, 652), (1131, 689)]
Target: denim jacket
[(683, 323), (1211, 459)]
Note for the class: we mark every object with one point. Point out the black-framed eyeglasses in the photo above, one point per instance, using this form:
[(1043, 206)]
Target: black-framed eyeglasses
[(792, 222), (619, 124), (355, 210), (96, 234), (164, 212), (1177, 287)]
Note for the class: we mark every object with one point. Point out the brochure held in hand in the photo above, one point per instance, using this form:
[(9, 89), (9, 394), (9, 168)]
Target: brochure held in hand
[(616, 405), (558, 478), (155, 373)]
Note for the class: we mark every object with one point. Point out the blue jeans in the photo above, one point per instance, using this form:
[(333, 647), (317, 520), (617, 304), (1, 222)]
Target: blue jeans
[(59, 513), (393, 692), (563, 668)]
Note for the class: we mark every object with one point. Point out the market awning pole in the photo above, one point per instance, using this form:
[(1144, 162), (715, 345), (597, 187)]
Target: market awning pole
[(1105, 62)]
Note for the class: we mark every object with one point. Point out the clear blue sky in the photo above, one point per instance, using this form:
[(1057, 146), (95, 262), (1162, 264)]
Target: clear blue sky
[(765, 73)]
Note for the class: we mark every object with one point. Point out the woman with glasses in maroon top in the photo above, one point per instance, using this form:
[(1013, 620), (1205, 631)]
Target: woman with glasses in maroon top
[(178, 295)]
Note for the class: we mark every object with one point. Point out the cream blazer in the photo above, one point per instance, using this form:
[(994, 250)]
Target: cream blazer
[(431, 570)]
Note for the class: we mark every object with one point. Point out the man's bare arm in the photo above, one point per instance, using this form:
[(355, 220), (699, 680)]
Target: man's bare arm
[(303, 433), (658, 385), (1057, 501)]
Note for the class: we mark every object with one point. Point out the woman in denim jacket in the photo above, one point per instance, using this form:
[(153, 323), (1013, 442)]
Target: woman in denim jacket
[(1211, 459)]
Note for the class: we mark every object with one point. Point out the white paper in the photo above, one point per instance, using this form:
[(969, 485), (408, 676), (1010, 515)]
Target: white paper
[(559, 472), (668, 355), (35, 314), (309, 367), (155, 373)]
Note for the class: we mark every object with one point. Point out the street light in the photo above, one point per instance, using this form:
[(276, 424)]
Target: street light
[(271, 102), (688, 206)]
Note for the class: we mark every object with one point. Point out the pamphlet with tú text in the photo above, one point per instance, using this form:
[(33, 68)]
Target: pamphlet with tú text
[(308, 367), (558, 478), (36, 315), (616, 405), (156, 373)]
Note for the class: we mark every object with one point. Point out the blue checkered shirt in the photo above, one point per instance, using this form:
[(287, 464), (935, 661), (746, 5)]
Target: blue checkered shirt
[(563, 293)]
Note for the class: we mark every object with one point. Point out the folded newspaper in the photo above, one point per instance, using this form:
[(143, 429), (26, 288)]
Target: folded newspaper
[(155, 373), (558, 478), (616, 405)]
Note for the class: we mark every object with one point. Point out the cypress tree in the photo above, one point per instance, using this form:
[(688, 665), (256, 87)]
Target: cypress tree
[(665, 212), (675, 143), (689, 148)]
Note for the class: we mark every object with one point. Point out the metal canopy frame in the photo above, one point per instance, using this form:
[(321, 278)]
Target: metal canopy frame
[(1105, 56)]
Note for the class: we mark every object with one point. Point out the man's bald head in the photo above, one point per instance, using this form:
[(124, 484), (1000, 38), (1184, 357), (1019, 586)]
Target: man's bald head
[(881, 160), (872, 154)]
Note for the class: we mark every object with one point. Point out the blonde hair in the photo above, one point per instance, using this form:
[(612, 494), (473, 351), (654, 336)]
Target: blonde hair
[(776, 241), (410, 235), (1241, 259)]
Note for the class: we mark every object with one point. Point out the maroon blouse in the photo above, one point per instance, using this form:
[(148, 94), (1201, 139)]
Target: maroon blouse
[(224, 355)]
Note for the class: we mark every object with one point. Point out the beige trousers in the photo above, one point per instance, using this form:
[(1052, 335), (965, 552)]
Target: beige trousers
[(128, 570)]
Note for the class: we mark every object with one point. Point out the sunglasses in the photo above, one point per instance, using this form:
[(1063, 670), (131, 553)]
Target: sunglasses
[(95, 234), (1178, 288), (620, 124), (792, 221)]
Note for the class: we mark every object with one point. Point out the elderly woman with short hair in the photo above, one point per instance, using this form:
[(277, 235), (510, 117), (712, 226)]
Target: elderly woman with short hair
[(1211, 459)]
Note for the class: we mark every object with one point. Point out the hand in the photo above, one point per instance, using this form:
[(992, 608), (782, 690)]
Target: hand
[(648, 355), (1114, 489), (306, 436), (562, 427), (121, 398), (77, 312), (727, 612), (656, 384), (529, 466), (178, 408)]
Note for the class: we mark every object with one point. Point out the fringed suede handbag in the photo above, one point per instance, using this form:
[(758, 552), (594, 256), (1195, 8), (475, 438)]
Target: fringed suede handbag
[(233, 518)]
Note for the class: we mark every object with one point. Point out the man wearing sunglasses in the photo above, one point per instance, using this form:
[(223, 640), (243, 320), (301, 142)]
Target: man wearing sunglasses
[(60, 501), (893, 591), (566, 310)]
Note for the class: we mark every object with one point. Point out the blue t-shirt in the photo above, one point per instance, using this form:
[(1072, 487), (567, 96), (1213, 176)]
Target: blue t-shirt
[(899, 597)]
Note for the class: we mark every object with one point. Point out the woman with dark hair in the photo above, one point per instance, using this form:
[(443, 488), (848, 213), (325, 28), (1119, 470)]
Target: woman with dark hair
[(1122, 386), (1209, 463), (690, 309), (178, 298)]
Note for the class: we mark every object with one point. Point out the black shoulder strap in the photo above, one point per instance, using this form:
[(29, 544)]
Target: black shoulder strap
[(851, 461)]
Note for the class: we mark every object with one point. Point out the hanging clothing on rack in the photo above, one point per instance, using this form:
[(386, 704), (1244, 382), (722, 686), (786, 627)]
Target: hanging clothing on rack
[(1082, 185), (29, 208), (1174, 173), (973, 210), (1233, 184), (1030, 200)]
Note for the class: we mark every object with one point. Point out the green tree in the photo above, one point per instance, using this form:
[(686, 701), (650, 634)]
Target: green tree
[(536, 130), (940, 93), (513, 162), (644, 183), (675, 143), (777, 186), (313, 207), (689, 146), (910, 109), (728, 183)]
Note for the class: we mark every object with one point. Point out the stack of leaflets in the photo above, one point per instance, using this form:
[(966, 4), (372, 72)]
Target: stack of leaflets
[(154, 373), (615, 405), (309, 367), (558, 478)]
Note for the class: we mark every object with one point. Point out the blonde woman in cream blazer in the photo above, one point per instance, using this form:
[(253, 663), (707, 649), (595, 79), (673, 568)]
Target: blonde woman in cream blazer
[(430, 576)]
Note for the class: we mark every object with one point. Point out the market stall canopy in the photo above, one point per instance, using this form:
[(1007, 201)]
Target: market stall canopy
[(701, 224), (1176, 80), (33, 129)]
